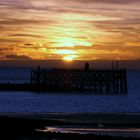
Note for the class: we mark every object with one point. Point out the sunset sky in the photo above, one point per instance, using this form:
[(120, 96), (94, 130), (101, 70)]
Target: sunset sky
[(69, 29)]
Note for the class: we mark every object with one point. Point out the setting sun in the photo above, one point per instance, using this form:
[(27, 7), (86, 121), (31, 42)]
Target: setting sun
[(59, 30), (69, 57)]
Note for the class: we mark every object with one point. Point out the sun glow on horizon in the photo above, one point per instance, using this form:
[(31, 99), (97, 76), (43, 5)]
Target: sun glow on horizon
[(69, 57), (72, 30), (65, 52), (72, 42)]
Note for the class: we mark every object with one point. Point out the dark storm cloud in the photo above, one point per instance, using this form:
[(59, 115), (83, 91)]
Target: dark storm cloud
[(13, 56), (22, 4), (26, 35), (110, 1), (5, 49), (10, 40), (19, 21)]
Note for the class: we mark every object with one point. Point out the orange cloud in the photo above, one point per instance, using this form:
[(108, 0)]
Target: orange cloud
[(76, 29)]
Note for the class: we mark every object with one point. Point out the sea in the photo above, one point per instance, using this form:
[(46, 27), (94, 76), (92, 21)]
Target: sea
[(62, 102)]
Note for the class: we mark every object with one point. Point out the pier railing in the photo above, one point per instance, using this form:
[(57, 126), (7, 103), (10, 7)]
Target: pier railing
[(111, 81)]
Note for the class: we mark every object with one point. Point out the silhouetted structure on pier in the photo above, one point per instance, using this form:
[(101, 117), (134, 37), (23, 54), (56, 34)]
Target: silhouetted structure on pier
[(111, 81)]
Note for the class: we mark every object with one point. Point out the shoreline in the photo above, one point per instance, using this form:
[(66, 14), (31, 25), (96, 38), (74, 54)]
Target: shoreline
[(20, 124), (79, 118)]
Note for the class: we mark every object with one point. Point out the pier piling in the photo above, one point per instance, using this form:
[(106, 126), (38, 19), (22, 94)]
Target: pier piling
[(110, 81)]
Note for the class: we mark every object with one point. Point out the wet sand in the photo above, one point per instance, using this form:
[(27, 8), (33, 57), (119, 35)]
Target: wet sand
[(27, 124)]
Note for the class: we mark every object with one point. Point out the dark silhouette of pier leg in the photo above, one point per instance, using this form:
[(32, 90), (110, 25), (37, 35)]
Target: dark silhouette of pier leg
[(111, 81), (125, 81), (121, 81)]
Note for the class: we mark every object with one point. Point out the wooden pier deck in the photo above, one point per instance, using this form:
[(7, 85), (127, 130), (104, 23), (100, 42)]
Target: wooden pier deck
[(113, 81)]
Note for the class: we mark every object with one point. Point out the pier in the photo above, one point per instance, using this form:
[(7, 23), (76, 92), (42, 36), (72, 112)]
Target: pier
[(107, 81)]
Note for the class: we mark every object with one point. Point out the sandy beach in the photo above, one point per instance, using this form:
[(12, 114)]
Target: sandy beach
[(35, 125)]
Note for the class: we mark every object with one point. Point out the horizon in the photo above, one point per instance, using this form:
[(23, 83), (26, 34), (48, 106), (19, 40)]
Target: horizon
[(69, 69), (76, 30), (96, 64)]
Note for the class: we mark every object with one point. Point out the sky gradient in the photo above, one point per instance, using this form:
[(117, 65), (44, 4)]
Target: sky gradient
[(69, 30)]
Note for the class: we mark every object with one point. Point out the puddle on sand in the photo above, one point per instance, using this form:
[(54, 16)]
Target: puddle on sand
[(125, 132)]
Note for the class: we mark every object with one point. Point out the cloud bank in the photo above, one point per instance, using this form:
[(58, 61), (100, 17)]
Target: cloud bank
[(108, 29)]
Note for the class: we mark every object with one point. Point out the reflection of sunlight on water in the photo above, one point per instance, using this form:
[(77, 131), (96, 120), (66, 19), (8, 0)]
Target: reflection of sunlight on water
[(126, 132), (55, 129)]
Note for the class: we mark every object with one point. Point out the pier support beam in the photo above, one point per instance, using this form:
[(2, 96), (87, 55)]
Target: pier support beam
[(111, 81)]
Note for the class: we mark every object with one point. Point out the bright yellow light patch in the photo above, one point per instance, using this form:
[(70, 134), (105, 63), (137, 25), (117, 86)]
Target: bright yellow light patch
[(65, 52), (66, 42), (43, 50), (69, 57), (71, 42)]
